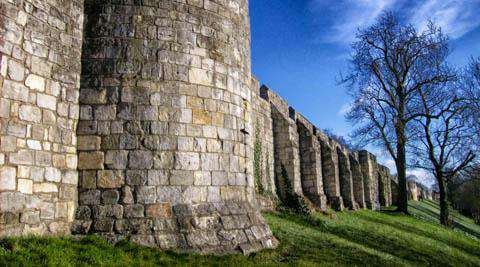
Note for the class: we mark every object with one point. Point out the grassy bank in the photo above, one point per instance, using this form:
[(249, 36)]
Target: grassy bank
[(349, 238)]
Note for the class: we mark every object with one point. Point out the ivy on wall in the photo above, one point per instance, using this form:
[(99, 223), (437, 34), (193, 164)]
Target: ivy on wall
[(257, 161)]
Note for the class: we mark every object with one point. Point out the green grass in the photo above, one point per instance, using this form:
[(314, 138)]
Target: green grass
[(349, 238), (429, 210)]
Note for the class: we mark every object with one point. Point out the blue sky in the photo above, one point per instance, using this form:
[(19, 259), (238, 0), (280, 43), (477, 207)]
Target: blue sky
[(300, 47)]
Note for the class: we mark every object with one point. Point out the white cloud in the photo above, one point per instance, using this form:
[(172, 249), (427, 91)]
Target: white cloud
[(350, 15), (344, 109), (455, 17)]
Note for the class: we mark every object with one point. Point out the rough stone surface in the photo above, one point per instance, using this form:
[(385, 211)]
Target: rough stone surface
[(156, 130), (40, 48), (370, 179), (357, 177), (311, 163), (331, 172), (346, 178), (166, 99)]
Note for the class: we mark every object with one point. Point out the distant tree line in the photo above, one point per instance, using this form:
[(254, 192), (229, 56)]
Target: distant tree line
[(464, 191), (408, 100)]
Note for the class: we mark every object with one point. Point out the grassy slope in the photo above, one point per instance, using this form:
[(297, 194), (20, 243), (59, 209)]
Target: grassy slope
[(352, 238)]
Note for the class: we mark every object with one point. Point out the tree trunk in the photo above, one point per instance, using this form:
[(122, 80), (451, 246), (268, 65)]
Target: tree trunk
[(401, 164), (444, 203)]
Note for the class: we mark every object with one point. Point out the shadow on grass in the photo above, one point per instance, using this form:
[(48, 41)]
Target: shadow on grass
[(457, 221), (328, 248), (401, 248), (409, 229)]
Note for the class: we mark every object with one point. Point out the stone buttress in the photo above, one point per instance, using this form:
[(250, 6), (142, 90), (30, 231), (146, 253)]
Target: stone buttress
[(311, 163), (368, 164), (346, 178), (286, 145), (330, 169), (384, 186), (165, 131), (40, 46), (357, 177)]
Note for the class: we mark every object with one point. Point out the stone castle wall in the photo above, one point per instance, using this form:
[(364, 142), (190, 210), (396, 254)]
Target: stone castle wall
[(40, 52), (143, 122), (165, 146), (318, 168)]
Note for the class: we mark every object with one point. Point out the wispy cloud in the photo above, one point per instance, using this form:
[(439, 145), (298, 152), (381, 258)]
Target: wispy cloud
[(344, 109), (349, 15), (341, 18), (455, 17)]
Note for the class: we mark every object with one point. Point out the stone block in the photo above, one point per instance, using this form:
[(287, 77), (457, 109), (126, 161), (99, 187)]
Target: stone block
[(16, 71), (90, 160), (47, 101), (12, 202), (158, 177), (159, 211), (134, 211), (201, 117), (116, 159), (110, 197), (8, 178), (88, 142), (89, 197), (35, 82), (108, 211), (15, 91), (30, 113), (25, 186), (110, 179), (4, 108), (187, 161), (45, 188), (146, 194), (200, 76), (53, 174), (136, 178), (140, 160)]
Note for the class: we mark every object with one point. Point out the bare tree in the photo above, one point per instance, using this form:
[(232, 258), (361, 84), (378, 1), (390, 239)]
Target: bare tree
[(390, 62), (446, 140), (471, 88)]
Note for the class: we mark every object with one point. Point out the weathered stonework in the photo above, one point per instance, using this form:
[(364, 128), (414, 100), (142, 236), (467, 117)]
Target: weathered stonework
[(370, 179), (384, 186), (413, 191), (357, 177), (346, 178), (311, 163), (264, 169), (166, 92), (39, 75), (330, 169), (155, 130), (394, 190), (286, 144)]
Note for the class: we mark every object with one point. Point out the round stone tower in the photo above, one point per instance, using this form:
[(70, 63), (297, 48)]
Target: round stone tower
[(39, 75), (165, 137)]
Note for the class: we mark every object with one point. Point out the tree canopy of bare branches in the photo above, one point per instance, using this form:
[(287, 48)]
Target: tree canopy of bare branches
[(390, 63), (446, 142), (471, 88)]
